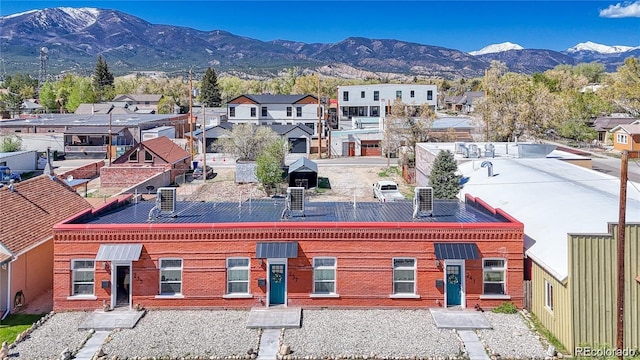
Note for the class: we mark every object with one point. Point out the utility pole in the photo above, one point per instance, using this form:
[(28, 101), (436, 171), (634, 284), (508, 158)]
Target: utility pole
[(191, 116), (109, 146), (204, 142), (319, 123), (624, 164)]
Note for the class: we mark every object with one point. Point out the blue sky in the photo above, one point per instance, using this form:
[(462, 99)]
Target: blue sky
[(462, 25)]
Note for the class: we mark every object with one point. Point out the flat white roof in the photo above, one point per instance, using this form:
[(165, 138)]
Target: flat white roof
[(552, 198)]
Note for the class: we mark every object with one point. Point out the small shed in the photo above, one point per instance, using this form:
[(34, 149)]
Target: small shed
[(303, 173)]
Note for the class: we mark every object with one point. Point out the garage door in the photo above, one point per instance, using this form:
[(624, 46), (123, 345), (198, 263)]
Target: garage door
[(371, 148), (298, 146)]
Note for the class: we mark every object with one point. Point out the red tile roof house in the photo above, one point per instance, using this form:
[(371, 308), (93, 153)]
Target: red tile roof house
[(147, 159), (259, 253), (29, 210)]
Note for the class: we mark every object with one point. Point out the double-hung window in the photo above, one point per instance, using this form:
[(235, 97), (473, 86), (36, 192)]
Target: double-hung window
[(412, 94), (170, 276), (264, 111), (238, 276), (82, 275), (289, 111), (345, 96), (404, 276), (253, 112), (324, 275), (494, 271), (399, 94), (299, 111), (376, 95), (232, 111), (429, 94)]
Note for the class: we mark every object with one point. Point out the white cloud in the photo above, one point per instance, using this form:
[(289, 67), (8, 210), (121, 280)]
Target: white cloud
[(621, 10)]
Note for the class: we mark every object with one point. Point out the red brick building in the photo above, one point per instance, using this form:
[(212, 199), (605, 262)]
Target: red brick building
[(231, 255), (145, 160)]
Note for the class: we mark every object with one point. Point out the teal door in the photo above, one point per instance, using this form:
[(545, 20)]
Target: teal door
[(277, 280), (454, 285)]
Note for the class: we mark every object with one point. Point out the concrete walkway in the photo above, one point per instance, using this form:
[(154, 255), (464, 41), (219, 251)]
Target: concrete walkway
[(92, 345), (275, 318), (269, 344), (472, 344), (459, 319), (109, 320)]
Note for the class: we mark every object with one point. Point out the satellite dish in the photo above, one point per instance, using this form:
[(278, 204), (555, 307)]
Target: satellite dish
[(70, 178), (44, 49)]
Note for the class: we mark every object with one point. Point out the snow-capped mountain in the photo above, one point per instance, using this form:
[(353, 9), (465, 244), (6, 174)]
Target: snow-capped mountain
[(76, 36), (496, 48), (599, 48)]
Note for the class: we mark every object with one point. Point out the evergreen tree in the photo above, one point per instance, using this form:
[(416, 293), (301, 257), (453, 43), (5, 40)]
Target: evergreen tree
[(443, 178), (102, 78), (209, 89)]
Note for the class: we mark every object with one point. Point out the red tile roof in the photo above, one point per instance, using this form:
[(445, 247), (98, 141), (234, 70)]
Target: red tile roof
[(166, 149), (32, 208)]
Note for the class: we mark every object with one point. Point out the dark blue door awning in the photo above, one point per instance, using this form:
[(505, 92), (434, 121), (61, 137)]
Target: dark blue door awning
[(455, 251), (271, 250)]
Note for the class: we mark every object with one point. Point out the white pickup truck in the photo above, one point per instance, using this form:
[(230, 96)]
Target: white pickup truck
[(387, 191)]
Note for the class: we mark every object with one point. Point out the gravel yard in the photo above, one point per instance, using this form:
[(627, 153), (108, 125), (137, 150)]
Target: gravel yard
[(193, 334), (390, 333), (511, 337), (48, 341), (184, 333), (345, 182)]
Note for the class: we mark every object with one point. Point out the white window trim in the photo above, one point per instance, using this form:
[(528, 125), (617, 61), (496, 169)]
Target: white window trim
[(324, 267), (547, 285), (622, 138), (504, 270), (73, 271), (229, 295), (160, 268), (393, 281)]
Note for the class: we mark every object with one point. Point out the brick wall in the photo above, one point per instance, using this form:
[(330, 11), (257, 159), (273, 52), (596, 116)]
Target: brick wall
[(124, 177), (364, 264), (88, 171)]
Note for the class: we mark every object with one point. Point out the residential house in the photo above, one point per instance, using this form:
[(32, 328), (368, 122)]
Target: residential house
[(29, 210), (626, 136), (87, 136), (570, 216), (288, 252), (372, 100), (154, 157), (463, 103), (298, 136), (145, 103), (603, 125), (275, 109)]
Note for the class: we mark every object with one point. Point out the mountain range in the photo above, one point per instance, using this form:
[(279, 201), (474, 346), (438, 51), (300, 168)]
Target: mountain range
[(74, 37)]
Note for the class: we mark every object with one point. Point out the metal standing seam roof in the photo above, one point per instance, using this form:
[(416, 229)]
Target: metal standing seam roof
[(119, 252), (271, 210), (467, 251), (271, 250)]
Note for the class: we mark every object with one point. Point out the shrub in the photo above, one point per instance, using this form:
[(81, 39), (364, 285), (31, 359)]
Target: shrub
[(506, 308)]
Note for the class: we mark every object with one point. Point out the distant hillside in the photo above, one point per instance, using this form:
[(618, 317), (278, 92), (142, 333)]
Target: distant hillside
[(75, 36)]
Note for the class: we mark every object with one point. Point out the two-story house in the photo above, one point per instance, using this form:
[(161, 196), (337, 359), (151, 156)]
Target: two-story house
[(371, 100), (275, 109)]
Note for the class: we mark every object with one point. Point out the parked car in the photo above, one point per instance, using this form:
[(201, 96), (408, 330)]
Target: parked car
[(6, 175), (197, 173)]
